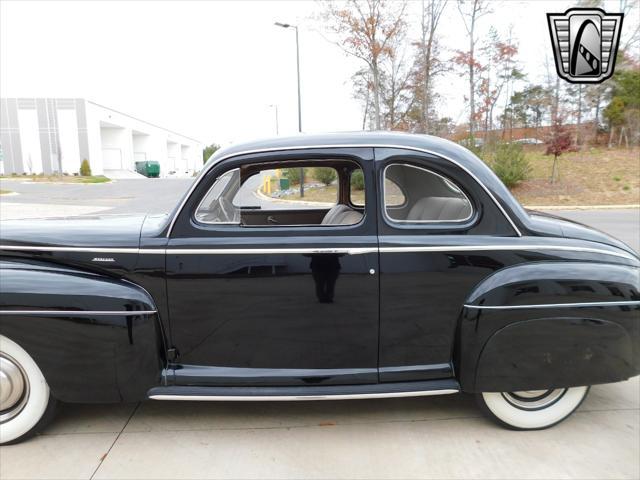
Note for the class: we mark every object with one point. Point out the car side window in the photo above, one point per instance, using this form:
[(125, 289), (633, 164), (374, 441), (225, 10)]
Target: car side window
[(217, 205), (414, 194), (270, 195)]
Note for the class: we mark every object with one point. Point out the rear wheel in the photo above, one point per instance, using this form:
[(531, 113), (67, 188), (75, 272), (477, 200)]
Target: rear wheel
[(26, 404), (531, 409)]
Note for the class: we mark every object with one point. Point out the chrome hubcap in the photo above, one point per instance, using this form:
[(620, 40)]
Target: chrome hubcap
[(534, 399), (14, 388)]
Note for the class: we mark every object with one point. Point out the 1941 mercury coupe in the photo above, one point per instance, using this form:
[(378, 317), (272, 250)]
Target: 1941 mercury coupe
[(417, 274)]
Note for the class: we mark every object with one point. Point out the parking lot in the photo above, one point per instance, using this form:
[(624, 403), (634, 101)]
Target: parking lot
[(428, 437)]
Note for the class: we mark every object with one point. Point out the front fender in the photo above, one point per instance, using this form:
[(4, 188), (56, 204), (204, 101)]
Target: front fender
[(550, 324), (95, 338)]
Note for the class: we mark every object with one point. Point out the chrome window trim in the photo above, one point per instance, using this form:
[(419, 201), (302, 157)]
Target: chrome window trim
[(391, 221), (280, 398), (186, 198), (554, 305), (303, 250), (79, 313)]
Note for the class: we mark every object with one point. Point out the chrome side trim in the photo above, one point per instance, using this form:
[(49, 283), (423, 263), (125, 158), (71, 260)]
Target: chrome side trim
[(281, 398), (43, 248), (266, 251), (474, 248), (309, 147), (79, 313), (554, 305), (337, 250)]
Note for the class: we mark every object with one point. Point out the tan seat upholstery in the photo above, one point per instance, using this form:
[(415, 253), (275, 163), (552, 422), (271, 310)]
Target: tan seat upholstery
[(342, 215), (439, 208)]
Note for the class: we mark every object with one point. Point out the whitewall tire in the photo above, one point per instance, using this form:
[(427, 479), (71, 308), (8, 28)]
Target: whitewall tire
[(26, 404), (533, 409)]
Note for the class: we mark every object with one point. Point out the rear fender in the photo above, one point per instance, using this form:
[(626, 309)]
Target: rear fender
[(550, 324)]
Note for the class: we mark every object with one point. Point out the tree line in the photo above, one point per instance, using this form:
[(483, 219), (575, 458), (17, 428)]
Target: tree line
[(403, 59)]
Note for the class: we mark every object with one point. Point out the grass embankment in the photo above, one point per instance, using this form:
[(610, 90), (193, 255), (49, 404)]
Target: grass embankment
[(322, 194), (594, 176), (59, 179)]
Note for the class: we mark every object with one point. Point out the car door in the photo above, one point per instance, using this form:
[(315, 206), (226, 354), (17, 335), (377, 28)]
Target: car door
[(429, 210), (244, 301)]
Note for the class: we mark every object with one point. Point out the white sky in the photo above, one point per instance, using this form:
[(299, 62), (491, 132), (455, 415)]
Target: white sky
[(210, 70)]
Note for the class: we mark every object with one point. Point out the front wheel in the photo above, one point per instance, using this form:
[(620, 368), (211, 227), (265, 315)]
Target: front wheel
[(531, 409), (26, 404)]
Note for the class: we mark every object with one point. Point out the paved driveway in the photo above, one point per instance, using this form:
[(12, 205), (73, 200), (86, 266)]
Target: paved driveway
[(430, 437)]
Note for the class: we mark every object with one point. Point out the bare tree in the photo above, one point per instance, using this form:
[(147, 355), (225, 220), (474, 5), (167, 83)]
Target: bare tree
[(362, 92), (365, 29), (498, 71), (471, 11), (427, 63), (396, 87)]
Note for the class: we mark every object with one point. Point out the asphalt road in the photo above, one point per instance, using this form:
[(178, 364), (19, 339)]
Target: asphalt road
[(430, 437), (162, 195)]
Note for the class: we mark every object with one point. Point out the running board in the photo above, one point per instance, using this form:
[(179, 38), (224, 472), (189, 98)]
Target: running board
[(330, 392)]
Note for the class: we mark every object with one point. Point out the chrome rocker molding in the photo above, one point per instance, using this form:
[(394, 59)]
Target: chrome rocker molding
[(79, 313), (629, 303), (316, 392), (340, 250), (281, 398), (310, 147)]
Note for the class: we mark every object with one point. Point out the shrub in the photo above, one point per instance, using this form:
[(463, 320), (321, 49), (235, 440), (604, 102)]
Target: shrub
[(85, 168), (511, 164), (326, 175), (293, 174), (357, 180)]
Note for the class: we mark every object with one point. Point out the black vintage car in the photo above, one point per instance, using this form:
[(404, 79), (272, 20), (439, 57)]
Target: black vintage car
[(418, 273)]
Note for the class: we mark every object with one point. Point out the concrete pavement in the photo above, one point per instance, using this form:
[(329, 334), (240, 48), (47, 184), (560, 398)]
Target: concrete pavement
[(429, 437)]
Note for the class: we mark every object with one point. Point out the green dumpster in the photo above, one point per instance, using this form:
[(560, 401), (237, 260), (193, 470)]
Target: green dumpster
[(149, 168), (284, 184)]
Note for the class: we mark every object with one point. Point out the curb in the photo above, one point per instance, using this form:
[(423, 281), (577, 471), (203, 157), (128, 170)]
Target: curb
[(632, 206), (262, 196)]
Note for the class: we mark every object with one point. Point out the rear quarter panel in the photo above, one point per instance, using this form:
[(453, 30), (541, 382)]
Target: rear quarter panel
[(551, 324)]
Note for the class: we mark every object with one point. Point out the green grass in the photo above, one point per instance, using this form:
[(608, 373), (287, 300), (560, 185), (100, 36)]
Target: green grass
[(59, 179), (94, 179)]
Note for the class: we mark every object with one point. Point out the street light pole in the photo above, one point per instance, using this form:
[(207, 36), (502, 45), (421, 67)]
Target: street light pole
[(275, 107), (298, 72), (286, 25)]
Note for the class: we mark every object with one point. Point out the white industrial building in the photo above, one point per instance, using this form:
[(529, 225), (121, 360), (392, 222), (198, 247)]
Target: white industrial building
[(44, 135)]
